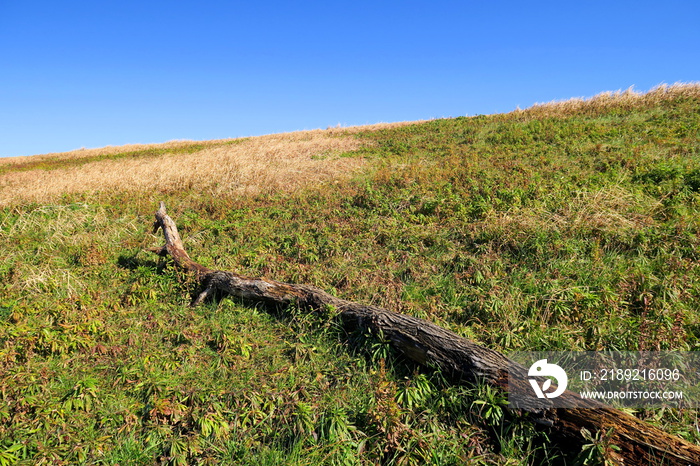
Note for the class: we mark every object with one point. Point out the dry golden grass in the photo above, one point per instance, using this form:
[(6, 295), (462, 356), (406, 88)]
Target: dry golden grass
[(274, 162), (224, 167), (176, 144), (627, 99)]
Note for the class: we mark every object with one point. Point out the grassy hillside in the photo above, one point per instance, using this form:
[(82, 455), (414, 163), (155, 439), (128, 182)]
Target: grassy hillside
[(571, 226)]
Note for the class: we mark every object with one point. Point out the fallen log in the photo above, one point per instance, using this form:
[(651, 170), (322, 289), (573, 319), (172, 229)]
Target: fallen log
[(637, 442)]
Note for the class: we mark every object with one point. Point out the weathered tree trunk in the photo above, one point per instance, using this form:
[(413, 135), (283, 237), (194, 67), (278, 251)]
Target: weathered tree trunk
[(465, 361)]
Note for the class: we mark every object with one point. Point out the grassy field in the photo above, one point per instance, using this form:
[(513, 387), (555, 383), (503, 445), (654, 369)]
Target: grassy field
[(566, 226)]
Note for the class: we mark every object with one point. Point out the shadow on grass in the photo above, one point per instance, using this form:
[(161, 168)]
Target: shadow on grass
[(132, 262)]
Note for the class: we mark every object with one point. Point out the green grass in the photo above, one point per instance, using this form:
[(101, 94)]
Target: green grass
[(575, 232)]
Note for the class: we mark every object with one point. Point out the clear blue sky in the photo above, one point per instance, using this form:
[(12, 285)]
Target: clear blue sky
[(95, 73)]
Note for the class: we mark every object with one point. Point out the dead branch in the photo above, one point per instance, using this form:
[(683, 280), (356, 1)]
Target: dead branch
[(461, 359)]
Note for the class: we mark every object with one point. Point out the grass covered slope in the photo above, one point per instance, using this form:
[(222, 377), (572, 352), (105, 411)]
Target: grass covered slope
[(568, 226)]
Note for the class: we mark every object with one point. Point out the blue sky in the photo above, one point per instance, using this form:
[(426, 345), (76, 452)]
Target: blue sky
[(94, 73)]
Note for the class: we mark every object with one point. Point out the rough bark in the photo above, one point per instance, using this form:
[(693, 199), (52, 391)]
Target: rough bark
[(463, 360)]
